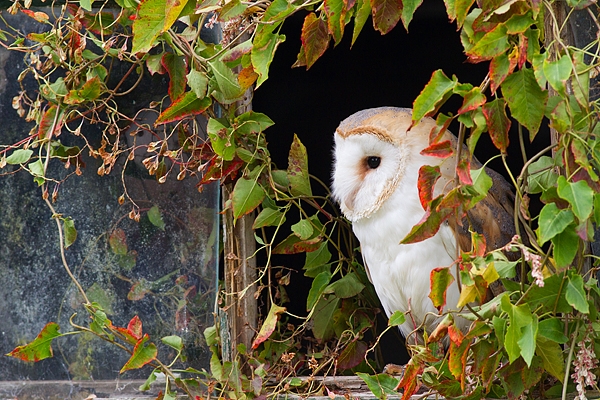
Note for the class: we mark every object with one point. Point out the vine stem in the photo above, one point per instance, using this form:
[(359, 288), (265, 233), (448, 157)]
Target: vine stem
[(56, 217), (568, 366)]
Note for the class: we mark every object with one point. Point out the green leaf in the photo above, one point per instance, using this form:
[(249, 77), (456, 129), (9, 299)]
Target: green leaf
[(41, 347), (348, 286), (541, 175), (303, 229), (552, 357), (221, 138), (154, 64), (247, 195), (432, 95), (519, 23), (493, 43), (566, 245), (118, 242), (526, 99), (381, 385), (579, 195), (176, 68), (557, 72), (520, 317), (70, 231), (265, 45), (386, 14), (575, 294), (397, 318), (155, 217), (363, 10), (298, 169), (316, 261), (408, 10), (551, 296), (440, 279), (227, 81), (198, 82), (319, 284), (323, 317), (232, 9), (552, 329), (151, 378), (553, 221), (335, 11), (173, 341), (143, 354), (19, 156), (528, 339), (268, 217), (186, 105), (154, 17)]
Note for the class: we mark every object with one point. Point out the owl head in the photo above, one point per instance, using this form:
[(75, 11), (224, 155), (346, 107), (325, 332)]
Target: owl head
[(374, 151)]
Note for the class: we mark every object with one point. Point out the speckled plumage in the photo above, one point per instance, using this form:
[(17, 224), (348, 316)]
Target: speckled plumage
[(383, 205)]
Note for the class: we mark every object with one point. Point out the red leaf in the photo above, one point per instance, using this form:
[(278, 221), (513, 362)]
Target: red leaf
[(440, 150), (186, 105), (177, 70), (216, 171), (135, 327), (429, 224), (472, 100), (440, 279), (138, 290), (442, 122), (500, 67), (497, 122), (352, 355), (523, 43), (142, 355), (386, 14), (463, 170), (428, 176), (269, 325), (40, 348), (48, 120), (294, 245), (315, 39), (410, 380), (478, 244), (37, 15)]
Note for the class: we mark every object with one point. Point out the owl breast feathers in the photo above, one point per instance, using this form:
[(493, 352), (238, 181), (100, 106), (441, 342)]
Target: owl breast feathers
[(377, 161)]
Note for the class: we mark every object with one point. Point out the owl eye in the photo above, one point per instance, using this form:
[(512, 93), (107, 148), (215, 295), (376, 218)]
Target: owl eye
[(373, 161)]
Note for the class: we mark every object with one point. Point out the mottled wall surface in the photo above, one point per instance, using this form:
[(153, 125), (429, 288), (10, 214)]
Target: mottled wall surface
[(165, 276)]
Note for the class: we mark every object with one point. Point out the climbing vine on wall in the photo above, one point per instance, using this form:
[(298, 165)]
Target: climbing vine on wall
[(539, 337)]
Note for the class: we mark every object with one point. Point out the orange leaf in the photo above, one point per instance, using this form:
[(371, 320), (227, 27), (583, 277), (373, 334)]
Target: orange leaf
[(269, 325)]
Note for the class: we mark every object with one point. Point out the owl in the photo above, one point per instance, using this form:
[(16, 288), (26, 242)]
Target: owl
[(377, 157)]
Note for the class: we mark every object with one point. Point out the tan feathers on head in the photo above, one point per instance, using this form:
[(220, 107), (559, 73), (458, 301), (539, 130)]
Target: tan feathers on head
[(376, 166)]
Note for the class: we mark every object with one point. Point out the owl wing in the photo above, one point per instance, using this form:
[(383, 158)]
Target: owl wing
[(492, 217)]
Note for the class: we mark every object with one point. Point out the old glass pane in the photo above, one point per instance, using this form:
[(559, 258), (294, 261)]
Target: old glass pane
[(162, 269)]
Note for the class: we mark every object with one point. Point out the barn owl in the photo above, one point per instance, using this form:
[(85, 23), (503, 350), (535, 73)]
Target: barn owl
[(376, 165)]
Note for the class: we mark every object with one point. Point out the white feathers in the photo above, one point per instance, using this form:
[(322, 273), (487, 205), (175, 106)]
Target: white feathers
[(383, 204)]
